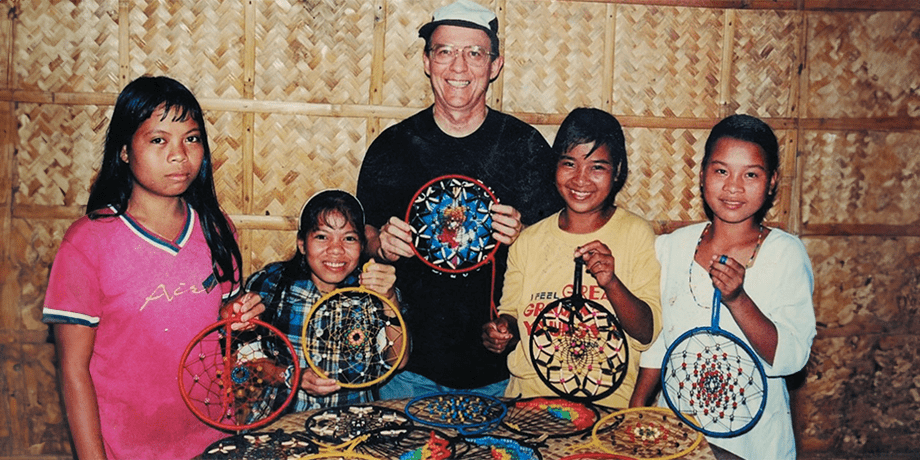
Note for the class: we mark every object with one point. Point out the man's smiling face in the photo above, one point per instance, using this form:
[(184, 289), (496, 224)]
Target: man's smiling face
[(457, 85)]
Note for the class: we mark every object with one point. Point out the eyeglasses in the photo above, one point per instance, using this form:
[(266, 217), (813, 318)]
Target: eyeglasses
[(474, 55)]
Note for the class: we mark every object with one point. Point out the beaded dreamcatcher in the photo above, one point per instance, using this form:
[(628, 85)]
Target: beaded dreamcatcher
[(496, 447), (452, 225), (468, 413), (339, 425), (644, 433), (578, 347), (713, 380), (549, 417), (596, 456), (354, 336), (238, 380), (407, 443), (277, 444)]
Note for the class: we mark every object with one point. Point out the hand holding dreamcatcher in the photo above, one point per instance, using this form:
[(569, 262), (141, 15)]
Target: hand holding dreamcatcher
[(452, 224), (578, 347), (710, 374), (354, 336), (238, 380)]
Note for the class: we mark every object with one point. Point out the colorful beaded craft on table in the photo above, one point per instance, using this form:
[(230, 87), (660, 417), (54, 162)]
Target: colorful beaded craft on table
[(497, 448), (713, 381), (349, 337), (452, 225), (468, 413), (549, 417), (578, 347), (596, 456), (238, 380), (644, 433), (407, 443), (275, 445), (338, 425)]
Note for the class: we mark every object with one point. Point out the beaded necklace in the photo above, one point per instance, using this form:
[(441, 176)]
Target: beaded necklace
[(749, 263)]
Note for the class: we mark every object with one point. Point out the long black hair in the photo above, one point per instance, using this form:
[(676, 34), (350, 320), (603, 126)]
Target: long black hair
[(113, 185), (586, 125), (749, 129)]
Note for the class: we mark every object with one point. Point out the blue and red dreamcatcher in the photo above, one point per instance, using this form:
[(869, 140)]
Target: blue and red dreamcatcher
[(713, 380), (451, 225)]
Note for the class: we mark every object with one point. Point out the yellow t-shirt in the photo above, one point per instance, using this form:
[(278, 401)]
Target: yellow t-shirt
[(540, 270)]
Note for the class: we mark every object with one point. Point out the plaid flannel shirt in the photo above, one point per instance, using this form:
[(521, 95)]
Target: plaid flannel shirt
[(286, 309)]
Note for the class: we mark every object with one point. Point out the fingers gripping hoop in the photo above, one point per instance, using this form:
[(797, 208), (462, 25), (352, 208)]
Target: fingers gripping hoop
[(452, 225), (354, 336), (578, 347), (712, 380), (238, 380)]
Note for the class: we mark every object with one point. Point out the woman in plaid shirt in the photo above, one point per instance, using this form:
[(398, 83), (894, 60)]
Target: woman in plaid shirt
[(330, 244)]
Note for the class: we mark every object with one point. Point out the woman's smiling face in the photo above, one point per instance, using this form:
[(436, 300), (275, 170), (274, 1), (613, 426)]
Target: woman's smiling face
[(333, 250), (584, 179)]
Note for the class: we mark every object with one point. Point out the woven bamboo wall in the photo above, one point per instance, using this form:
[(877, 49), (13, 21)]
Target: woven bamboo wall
[(296, 90)]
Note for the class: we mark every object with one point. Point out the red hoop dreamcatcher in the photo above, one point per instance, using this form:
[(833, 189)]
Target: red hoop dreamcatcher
[(452, 225), (238, 380), (354, 336), (713, 380), (578, 347)]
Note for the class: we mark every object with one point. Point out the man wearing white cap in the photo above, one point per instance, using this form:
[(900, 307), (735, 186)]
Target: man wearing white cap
[(458, 134)]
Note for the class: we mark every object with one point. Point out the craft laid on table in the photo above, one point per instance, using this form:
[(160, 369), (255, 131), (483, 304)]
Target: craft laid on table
[(468, 413), (549, 417), (596, 456), (496, 447), (452, 225), (644, 433), (713, 380), (578, 347), (238, 380), (274, 445), (354, 336), (339, 425), (407, 443)]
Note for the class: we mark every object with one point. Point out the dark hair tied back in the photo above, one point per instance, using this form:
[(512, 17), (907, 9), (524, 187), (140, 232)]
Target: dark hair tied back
[(749, 129)]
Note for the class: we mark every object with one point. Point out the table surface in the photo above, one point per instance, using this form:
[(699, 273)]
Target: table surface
[(552, 448)]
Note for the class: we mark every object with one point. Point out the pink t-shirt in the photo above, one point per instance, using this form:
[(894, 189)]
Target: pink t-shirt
[(147, 299)]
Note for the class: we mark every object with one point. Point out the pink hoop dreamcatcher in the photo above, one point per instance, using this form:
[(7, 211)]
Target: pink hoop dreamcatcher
[(238, 380)]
